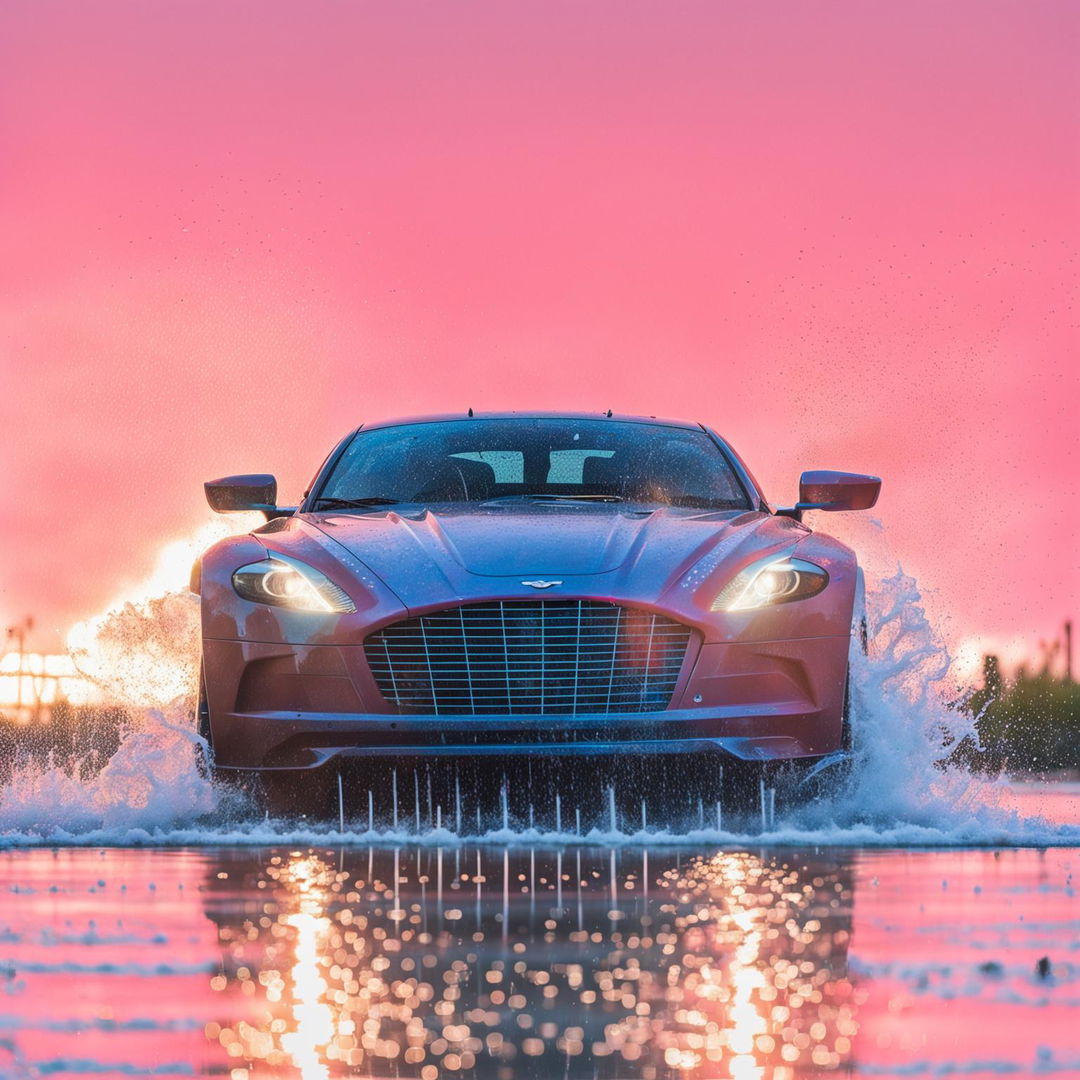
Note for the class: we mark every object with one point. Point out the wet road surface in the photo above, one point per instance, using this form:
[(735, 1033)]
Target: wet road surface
[(416, 961)]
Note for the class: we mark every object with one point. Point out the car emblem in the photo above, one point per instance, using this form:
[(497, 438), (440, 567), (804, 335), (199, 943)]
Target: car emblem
[(541, 584)]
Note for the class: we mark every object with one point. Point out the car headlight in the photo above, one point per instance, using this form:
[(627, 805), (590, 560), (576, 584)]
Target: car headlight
[(286, 582), (771, 581)]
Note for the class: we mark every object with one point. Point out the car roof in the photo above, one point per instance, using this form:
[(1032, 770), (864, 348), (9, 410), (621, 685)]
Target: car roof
[(433, 418)]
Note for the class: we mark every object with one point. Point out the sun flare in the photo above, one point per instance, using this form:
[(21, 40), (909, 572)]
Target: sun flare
[(112, 655)]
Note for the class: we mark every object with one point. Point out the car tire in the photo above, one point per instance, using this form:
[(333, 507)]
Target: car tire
[(204, 760), (238, 789), (819, 779), (797, 783)]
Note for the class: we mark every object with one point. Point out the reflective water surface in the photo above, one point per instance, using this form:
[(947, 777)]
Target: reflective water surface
[(417, 961)]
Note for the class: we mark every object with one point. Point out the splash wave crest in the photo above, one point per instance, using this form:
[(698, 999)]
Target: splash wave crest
[(151, 790)]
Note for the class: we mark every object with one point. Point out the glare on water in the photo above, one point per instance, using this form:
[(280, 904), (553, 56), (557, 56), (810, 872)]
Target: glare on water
[(521, 963)]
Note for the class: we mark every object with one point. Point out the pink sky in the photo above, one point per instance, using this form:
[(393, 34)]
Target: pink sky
[(843, 233)]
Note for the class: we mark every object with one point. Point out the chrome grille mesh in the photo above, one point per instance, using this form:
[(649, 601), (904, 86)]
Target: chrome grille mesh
[(559, 657)]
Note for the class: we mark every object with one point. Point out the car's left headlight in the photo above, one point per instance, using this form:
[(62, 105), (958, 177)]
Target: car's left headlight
[(286, 582), (769, 581)]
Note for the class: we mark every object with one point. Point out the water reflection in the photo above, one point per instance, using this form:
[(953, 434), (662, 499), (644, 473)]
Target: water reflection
[(522, 963), (308, 1043), (531, 963)]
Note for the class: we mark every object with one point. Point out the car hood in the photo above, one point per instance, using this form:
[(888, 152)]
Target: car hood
[(434, 552), (500, 543)]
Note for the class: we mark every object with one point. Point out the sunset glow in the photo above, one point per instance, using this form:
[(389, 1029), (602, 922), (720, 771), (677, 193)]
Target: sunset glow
[(845, 236), (653, 651)]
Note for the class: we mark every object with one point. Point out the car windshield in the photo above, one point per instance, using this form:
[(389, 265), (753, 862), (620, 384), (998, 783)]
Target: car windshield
[(532, 459)]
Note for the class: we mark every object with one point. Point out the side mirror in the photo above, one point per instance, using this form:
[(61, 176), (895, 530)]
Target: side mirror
[(233, 494), (822, 489)]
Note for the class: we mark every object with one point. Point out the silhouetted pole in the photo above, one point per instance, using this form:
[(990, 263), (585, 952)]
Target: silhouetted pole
[(1068, 650), (19, 634)]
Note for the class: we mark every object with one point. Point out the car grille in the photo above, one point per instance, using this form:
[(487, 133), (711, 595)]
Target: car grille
[(558, 657)]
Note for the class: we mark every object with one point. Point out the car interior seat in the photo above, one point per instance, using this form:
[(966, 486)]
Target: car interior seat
[(603, 476), (457, 479)]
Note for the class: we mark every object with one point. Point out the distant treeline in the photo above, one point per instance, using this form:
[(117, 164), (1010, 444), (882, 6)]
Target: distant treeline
[(1027, 724)]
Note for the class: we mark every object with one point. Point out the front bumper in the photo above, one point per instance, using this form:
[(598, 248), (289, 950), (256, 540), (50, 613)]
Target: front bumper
[(308, 740), (298, 707)]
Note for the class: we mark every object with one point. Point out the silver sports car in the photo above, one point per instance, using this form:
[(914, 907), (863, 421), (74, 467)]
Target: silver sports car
[(565, 594)]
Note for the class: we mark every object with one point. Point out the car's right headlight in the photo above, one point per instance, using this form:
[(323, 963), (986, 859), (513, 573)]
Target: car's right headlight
[(286, 582), (769, 581)]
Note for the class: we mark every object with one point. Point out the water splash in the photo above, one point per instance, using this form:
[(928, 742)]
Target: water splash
[(142, 657), (906, 717), (907, 720), (143, 654), (902, 790)]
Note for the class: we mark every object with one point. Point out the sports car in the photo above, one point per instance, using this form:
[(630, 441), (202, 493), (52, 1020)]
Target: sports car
[(515, 589)]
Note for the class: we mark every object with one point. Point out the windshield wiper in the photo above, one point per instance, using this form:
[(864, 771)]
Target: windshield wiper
[(540, 496), (353, 504)]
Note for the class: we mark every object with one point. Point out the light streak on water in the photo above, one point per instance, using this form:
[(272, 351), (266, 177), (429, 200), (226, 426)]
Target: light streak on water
[(668, 964)]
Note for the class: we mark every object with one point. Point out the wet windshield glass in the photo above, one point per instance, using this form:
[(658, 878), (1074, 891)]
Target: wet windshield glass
[(599, 461)]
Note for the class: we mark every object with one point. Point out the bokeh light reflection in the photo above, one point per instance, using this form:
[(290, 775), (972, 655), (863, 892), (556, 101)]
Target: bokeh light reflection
[(160, 962), (308, 1044), (730, 965)]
